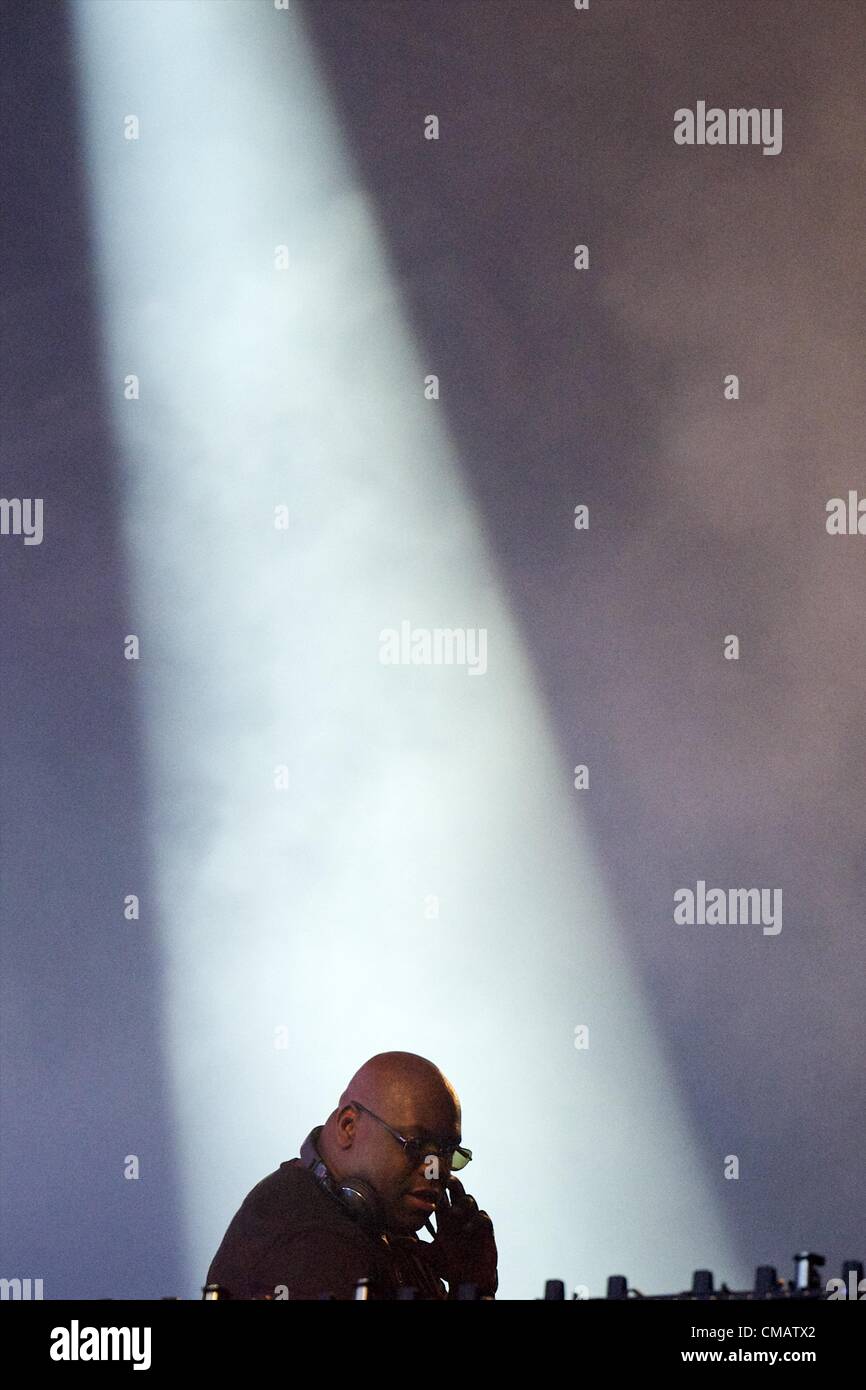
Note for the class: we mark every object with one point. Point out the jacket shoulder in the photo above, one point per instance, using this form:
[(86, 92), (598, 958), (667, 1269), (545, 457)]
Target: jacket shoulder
[(289, 1231)]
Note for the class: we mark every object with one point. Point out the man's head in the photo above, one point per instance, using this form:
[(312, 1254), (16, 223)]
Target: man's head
[(413, 1097)]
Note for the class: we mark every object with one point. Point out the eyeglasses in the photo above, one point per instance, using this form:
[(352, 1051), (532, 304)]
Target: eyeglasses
[(455, 1157)]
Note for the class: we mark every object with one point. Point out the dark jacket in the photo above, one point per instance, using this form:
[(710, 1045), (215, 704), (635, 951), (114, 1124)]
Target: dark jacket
[(291, 1234)]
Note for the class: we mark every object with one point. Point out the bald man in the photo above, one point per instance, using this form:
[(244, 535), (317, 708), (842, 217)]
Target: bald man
[(350, 1207)]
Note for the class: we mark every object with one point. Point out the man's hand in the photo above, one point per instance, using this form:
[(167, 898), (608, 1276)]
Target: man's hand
[(464, 1251)]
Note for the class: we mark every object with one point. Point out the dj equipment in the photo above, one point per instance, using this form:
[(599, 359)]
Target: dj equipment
[(806, 1284)]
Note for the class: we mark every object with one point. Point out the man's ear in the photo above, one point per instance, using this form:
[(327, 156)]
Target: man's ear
[(346, 1122)]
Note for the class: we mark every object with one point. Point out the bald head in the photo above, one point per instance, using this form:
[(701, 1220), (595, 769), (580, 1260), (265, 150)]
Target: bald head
[(399, 1082), (411, 1095)]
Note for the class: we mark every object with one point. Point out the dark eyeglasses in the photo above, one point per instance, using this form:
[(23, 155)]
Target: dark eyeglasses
[(417, 1149)]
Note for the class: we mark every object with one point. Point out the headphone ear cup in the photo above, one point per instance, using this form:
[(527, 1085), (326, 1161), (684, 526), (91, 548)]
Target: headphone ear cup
[(364, 1203), (357, 1195)]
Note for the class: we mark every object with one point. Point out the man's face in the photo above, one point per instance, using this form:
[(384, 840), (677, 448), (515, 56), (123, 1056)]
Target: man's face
[(408, 1190)]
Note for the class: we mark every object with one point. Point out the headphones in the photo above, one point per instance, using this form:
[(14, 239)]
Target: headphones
[(357, 1196)]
